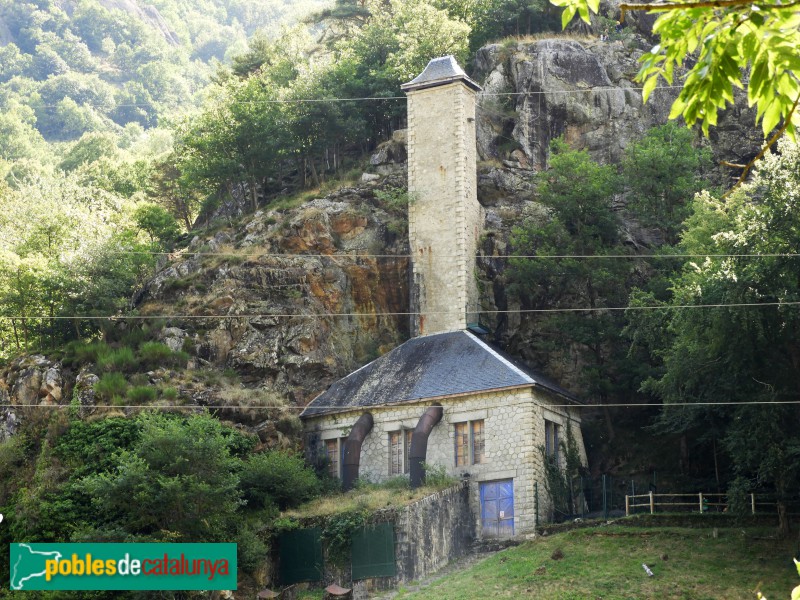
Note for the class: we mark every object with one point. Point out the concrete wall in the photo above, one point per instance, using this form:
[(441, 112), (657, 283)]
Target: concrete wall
[(444, 215), (514, 431)]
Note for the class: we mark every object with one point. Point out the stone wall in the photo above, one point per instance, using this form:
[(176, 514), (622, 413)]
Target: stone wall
[(444, 215), (514, 430), (432, 532)]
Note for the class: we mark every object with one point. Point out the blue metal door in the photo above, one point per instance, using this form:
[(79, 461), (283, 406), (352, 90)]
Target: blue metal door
[(497, 508)]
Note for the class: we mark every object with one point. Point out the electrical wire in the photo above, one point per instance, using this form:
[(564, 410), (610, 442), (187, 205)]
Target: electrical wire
[(180, 253), (409, 402), (396, 314), (381, 98)]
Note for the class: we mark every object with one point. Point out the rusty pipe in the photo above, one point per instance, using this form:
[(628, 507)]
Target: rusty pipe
[(419, 443), (352, 450)]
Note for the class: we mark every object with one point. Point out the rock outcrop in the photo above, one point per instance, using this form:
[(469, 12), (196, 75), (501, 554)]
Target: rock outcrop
[(293, 299), (585, 91)]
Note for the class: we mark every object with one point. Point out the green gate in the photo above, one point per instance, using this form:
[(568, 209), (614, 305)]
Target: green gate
[(373, 552), (301, 556)]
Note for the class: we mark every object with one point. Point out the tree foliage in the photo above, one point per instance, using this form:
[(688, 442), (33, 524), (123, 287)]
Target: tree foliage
[(578, 194), (744, 348)]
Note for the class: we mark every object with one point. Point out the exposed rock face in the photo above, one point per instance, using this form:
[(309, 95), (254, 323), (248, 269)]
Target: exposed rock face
[(33, 380), (84, 389), (310, 308), (536, 91), (28, 381)]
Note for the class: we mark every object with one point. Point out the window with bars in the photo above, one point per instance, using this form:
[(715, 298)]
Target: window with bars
[(551, 440), (470, 443)]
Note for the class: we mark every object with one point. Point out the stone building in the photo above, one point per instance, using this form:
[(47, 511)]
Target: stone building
[(445, 398)]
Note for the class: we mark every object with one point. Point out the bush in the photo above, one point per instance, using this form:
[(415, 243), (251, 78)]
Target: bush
[(110, 385), (436, 476), (154, 354), (81, 353), (277, 477), (169, 393), (142, 394), (121, 359)]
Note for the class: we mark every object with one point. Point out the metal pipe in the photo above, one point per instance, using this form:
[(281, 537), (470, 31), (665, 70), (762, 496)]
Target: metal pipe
[(352, 450), (419, 443)]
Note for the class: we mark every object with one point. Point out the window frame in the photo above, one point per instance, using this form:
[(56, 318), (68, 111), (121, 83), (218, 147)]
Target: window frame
[(399, 464), (469, 443), (552, 441), (338, 453)]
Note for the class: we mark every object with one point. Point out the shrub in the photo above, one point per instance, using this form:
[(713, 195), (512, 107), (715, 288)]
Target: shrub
[(142, 394), (252, 551), (80, 353), (169, 393), (154, 354), (436, 475), (121, 359), (139, 379), (110, 385), (277, 477)]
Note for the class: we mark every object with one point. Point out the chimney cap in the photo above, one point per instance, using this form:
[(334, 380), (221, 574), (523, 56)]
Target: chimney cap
[(440, 71)]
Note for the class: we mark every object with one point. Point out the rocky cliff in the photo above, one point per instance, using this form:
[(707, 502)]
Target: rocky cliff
[(292, 298)]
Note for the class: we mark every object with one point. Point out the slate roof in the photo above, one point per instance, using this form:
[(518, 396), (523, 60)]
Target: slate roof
[(433, 366), (440, 71)]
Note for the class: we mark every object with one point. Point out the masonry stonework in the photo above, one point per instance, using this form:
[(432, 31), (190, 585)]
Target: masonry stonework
[(514, 432), (444, 214)]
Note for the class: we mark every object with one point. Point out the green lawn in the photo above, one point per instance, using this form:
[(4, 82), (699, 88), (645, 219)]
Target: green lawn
[(606, 562)]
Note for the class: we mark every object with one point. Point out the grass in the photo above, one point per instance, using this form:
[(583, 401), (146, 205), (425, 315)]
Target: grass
[(370, 497), (606, 562)]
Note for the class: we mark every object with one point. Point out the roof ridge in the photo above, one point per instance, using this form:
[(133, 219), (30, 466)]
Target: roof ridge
[(500, 357)]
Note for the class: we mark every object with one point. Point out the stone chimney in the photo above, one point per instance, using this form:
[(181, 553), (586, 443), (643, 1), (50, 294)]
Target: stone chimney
[(444, 217)]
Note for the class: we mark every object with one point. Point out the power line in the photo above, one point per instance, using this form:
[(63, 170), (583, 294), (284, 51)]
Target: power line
[(594, 90), (397, 314), (179, 253), (409, 402)]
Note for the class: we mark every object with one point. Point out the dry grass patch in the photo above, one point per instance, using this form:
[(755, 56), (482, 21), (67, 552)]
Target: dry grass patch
[(369, 498)]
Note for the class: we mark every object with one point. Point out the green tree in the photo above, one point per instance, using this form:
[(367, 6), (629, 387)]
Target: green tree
[(178, 481), (580, 223), (158, 223), (662, 172), (90, 148), (746, 349)]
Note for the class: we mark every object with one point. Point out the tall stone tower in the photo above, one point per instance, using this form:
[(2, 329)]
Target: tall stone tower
[(444, 217)]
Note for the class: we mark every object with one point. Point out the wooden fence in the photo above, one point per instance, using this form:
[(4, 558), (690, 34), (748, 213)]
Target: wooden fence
[(681, 502)]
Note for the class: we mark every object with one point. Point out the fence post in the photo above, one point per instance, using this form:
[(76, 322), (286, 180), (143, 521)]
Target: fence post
[(701, 503), (536, 502), (652, 503), (627, 505), (605, 502), (753, 503)]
